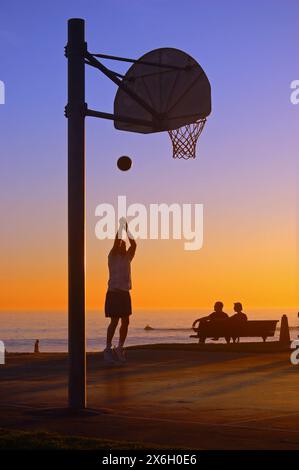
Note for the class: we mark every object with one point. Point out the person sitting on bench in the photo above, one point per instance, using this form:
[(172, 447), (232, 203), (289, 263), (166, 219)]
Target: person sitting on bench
[(239, 315), (218, 314)]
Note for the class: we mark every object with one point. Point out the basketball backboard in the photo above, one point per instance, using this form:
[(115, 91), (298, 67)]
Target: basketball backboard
[(172, 83)]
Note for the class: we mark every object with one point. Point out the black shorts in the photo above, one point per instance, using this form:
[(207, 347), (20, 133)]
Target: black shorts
[(118, 304)]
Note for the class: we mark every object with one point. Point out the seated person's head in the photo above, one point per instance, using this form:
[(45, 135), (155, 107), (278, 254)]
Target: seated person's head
[(218, 307), (238, 307)]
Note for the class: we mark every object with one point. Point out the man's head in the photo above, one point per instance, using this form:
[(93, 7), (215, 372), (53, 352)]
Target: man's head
[(218, 306), (120, 247), (238, 307)]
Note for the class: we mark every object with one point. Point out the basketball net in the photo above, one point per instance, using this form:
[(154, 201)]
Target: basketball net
[(184, 139)]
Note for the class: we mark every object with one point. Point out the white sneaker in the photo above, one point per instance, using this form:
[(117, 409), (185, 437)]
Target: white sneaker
[(108, 357), (120, 354)]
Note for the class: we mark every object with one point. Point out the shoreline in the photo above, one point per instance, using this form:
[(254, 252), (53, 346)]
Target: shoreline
[(250, 347)]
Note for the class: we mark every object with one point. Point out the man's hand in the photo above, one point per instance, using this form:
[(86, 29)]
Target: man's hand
[(123, 224)]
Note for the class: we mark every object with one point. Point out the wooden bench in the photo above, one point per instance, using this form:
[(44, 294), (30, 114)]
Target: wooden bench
[(232, 329)]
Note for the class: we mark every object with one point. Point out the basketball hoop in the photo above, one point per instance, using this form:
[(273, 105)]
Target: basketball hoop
[(184, 139)]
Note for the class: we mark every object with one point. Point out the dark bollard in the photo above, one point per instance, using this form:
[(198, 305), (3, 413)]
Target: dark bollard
[(36, 347), (284, 337)]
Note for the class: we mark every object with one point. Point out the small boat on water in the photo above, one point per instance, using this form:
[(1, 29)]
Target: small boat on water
[(148, 328)]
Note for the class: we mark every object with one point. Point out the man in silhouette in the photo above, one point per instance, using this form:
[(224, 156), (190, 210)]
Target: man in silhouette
[(218, 314), (118, 299)]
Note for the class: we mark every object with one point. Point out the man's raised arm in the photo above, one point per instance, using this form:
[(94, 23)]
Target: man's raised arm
[(118, 234), (133, 244)]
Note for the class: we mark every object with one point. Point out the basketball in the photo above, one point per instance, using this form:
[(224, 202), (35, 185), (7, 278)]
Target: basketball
[(124, 163)]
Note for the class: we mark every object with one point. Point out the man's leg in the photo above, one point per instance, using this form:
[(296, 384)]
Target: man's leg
[(111, 330), (123, 331)]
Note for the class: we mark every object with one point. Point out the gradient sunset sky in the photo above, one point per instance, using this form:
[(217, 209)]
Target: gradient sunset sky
[(245, 173)]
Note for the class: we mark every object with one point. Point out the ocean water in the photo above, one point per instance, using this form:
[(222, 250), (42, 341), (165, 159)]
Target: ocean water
[(19, 330)]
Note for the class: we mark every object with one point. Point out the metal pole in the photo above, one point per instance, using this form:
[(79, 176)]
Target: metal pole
[(76, 213), (146, 62), (91, 60), (118, 117)]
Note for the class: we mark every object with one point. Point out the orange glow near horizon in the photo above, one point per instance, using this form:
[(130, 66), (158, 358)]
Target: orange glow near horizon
[(257, 267)]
